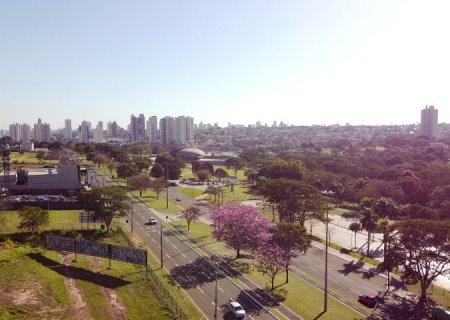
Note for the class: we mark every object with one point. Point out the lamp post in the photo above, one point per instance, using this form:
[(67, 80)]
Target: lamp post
[(325, 296), (132, 216), (167, 185)]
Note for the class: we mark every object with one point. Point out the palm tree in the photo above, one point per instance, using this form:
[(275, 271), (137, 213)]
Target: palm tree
[(368, 221), (383, 226), (355, 227)]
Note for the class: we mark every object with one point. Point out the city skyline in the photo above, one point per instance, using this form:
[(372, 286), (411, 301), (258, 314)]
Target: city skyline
[(303, 63)]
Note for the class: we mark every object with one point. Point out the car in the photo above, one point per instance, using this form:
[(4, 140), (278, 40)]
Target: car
[(152, 220), (236, 309), (178, 198), (368, 301)]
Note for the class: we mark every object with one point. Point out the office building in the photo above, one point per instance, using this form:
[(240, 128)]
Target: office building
[(84, 131), (167, 130), (137, 128), (190, 130), (180, 123), (68, 129), (112, 128), (98, 133), (152, 129), (429, 122)]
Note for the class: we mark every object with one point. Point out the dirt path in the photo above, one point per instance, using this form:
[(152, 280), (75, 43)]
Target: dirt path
[(116, 308), (79, 305)]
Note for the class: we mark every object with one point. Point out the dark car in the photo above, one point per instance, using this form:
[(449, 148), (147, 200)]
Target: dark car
[(368, 301)]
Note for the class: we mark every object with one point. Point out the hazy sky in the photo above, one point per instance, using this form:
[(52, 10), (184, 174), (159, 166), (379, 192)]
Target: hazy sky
[(301, 62)]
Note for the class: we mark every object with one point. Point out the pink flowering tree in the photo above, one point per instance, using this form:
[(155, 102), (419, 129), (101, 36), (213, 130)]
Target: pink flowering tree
[(271, 260), (240, 227)]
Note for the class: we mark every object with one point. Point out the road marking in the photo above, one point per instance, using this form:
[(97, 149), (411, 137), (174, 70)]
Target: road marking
[(354, 291), (167, 256), (371, 290), (212, 302), (221, 290), (183, 255), (201, 290), (173, 246), (312, 268), (153, 240), (333, 279)]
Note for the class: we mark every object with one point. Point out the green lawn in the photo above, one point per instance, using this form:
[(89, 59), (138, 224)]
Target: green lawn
[(300, 296), (338, 211), (59, 219), (28, 158), (149, 198), (191, 192)]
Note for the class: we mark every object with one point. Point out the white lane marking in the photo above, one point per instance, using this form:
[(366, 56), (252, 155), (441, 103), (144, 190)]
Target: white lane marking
[(312, 268), (201, 290), (333, 279), (371, 290), (183, 255), (354, 291), (173, 246), (212, 302), (153, 240), (167, 256), (221, 290)]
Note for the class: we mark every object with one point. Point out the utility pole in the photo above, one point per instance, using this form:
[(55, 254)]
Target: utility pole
[(167, 185), (215, 302), (161, 243), (325, 297), (132, 215)]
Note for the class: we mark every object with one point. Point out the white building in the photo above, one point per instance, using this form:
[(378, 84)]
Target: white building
[(152, 129), (98, 133), (68, 129), (84, 131)]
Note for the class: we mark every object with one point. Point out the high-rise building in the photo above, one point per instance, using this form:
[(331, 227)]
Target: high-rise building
[(190, 130), (42, 131), (167, 130), (98, 133), (137, 128), (25, 133), (429, 122), (180, 123), (15, 131), (152, 129), (84, 131), (68, 129), (112, 129)]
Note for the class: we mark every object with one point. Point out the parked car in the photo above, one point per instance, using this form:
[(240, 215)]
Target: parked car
[(178, 198), (152, 220), (236, 309), (368, 301)]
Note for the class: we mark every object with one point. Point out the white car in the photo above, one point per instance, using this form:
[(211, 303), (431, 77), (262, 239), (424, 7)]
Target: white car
[(236, 309), (152, 221)]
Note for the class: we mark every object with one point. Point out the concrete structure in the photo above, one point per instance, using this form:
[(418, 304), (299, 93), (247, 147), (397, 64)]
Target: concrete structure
[(62, 179), (27, 147), (180, 123), (68, 129), (42, 131), (429, 122), (112, 129), (187, 154), (190, 130), (20, 132), (152, 130)]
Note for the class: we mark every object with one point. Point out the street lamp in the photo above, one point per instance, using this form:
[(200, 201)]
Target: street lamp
[(325, 297), (167, 185)]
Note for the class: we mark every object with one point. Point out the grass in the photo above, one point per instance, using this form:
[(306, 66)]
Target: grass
[(59, 220), (149, 198), (301, 297), (439, 295), (191, 192), (338, 211), (28, 158)]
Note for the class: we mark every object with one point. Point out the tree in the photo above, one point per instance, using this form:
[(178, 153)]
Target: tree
[(251, 175), (235, 164), (140, 182), (212, 190), (32, 218), (203, 175), (278, 168), (173, 165), (292, 239), (220, 173), (271, 260), (111, 166), (40, 156), (157, 171), (355, 227), (100, 159), (126, 170), (383, 226), (157, 185), (191, 214), (142, 163), (368, 220), (240, 226), (106, 203), (422, 249)]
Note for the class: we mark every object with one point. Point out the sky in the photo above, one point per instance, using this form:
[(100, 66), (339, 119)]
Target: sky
[(301, 62)]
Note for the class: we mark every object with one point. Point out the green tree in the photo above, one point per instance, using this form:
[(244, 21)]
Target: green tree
[(421, 248), (157, 185), (100, 159), (142, 163), (368, 220), (106, 203), (139, 182), (235, 164), (126, 170), (191, 214), (157, 171), (40, 156), (32, 218), (220, 173), (203, 175), (292, 239)]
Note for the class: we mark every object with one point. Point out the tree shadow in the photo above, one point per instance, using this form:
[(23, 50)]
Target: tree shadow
[(231, 266), (357, 267), (351, 215), (72, 272), (194, 274), (391, 306)]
